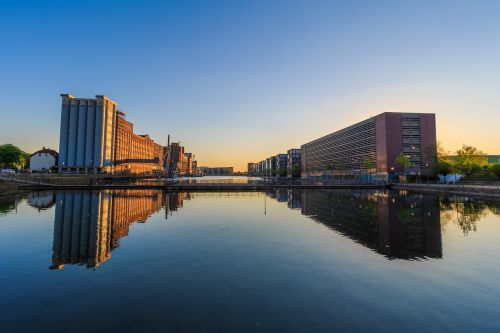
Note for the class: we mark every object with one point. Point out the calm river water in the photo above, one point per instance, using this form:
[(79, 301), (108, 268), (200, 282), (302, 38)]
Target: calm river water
[(284, 261)]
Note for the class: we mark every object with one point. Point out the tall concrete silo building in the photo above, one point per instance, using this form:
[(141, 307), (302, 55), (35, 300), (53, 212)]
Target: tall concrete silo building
[(86, 143)]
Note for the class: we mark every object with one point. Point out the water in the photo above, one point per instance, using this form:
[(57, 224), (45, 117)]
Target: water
[(286, 261)]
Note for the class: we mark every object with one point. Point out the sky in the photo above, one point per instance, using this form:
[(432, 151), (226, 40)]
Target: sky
[(238, 81)]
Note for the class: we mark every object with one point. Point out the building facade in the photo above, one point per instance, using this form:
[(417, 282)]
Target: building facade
[(251, 168), (281, 165), (87, 134), (181, 163), (135, 153), (373, 145), (218, 171), (96, 138), (43, 160), (293, 162)]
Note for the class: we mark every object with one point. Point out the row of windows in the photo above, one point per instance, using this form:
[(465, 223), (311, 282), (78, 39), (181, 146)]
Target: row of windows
[(411, 139)]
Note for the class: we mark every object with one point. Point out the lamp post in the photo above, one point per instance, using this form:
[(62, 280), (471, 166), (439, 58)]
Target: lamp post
[(427, 173)]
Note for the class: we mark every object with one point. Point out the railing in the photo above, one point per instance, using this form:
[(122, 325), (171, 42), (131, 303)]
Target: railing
[(264, 181), (83, 180)]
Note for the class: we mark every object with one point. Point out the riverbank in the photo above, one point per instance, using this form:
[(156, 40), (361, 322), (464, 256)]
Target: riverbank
[(477, 190), (10, 189)]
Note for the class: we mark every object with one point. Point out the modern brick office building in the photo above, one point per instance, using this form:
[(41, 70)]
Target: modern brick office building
[(96, 138), (379, 139)]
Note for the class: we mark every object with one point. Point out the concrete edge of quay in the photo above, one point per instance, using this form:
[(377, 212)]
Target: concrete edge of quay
[(480, 191)]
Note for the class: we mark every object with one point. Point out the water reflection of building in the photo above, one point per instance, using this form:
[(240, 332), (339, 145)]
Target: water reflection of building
[(41, 200), (294, 198), (291, 196), (395, 226), (174, 201), (89, 225)]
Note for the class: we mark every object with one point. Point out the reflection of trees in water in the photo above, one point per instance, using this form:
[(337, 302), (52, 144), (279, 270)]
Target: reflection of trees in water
[(494, 207), (7, 206), (466, 212)]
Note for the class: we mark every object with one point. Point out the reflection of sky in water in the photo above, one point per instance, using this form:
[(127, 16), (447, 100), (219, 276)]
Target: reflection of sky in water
[(243, 261)]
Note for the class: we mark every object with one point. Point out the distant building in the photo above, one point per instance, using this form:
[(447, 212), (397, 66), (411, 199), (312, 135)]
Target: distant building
[(258, 167), (195, 168), (251, 168), (281, 165), (176, 158), (276, 165), (43, 160), (189, 163), (96, 138), (293, 162), (373, 145), (271, 166), (181, 163), (219, 171), (493, 158)]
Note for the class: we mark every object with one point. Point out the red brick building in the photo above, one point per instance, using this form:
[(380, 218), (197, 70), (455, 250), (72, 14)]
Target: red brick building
[(135, 153)]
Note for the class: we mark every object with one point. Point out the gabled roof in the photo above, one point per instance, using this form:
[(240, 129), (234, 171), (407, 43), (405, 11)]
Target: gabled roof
[(46, 151)]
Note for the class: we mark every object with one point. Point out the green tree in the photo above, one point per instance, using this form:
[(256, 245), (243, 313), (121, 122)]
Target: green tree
[(369, 164), (494, 169), (442, 167), (12, 156), (440, 151), (469, 160), (281, 172), (403, 161)]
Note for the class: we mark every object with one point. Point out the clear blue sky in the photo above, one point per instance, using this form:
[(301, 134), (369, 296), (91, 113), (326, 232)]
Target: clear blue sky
[(236, 81)]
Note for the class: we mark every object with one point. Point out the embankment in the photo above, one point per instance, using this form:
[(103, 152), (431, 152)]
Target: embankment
[(476, 190)]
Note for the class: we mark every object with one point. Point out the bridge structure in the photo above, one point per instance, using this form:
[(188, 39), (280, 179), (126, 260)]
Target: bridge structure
[(194, 184)]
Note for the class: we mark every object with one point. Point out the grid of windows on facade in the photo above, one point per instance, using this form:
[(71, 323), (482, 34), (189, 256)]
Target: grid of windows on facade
[(293, 157), (348, 149), (135, 153), (411, 139), (293, 162), (374, 145)]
